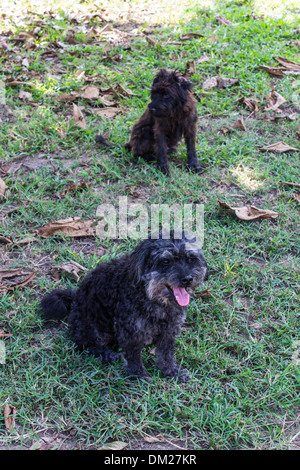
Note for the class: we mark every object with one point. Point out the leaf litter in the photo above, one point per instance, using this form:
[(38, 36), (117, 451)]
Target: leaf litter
[(249, 213)]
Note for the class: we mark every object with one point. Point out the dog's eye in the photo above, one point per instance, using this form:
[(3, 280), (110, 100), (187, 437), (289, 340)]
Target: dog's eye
[(166, 262)]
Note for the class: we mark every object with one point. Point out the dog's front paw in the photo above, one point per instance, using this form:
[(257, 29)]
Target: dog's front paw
[(183, 376), (195, 168), (164, 169)]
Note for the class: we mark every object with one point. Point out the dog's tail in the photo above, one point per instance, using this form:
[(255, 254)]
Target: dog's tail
[(57, 304), (100, 139)]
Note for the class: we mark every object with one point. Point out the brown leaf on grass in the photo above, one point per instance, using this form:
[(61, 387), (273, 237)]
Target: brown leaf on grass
[(116, 445), (3, 334), (67, 97), (25, 95), (203, 294), (2, 188), (220, 82), (7, 273), (273, 71), (249, 213), (250, 103), (191, 67), (224, 82), (239, 124), (223, 20), (279, 147), (297, 197), (78, 117), (274, 100), (297, 185), (109, 112), (74, 186), (152, 43), (91, 92), (288, 64), (17, 273), (80, 74), (107, 100), (203, 58), (295, 43), (188, 36), (10, 412), (73, 227), (12, 82), (70, 267)]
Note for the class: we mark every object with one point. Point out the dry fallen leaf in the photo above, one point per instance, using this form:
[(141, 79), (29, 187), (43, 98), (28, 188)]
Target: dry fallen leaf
[(239, 124), (273, 71), (78, 117), (279, 147), (70, 267), (220, 82), (9, 416), (191, 66), (250, 103), (274, 100), (73, 227), (67, 97), (297, 196), (91, 92), (25, 95), (108, 113), (203, 294), (288, 64), (3, 334), (116, 445), (7, 273), (223, 20), (107, 100), (297, 185), (74, 186), (187, 36), (249, 212), (203, 58)]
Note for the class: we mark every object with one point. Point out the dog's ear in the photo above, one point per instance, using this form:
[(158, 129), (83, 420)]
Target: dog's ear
[(184, 83), (137, 261)]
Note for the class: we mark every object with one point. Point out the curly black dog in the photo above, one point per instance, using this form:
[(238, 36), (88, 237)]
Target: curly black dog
[(171, 114), (134, 300)]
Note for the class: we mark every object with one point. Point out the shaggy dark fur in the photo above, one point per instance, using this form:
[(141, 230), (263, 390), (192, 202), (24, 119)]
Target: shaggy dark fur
[(131, 301), (171, 114)]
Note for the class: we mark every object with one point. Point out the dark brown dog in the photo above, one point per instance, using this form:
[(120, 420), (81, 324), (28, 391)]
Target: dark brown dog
[(171, 114)]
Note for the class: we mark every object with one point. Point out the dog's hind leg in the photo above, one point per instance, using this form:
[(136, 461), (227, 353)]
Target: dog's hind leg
[(105, 353)]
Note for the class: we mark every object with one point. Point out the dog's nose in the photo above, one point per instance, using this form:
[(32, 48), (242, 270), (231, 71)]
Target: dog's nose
[(152, 108), (186, 281)]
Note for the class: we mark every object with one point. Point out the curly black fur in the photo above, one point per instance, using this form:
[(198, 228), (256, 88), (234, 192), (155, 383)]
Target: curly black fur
[(131, 301)]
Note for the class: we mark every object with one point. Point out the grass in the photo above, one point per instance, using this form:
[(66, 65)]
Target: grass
[(238, 343)]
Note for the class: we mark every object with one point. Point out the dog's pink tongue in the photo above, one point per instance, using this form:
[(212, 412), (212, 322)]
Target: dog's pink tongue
[(181, 296)]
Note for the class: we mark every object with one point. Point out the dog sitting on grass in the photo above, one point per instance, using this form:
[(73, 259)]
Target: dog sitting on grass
[(138, 299), (171, 114)]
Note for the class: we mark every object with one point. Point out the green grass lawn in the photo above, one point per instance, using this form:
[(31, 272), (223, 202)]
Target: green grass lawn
[(241, 342)]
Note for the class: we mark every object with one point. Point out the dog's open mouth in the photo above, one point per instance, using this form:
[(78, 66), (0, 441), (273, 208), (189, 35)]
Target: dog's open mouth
[(181, 295)]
